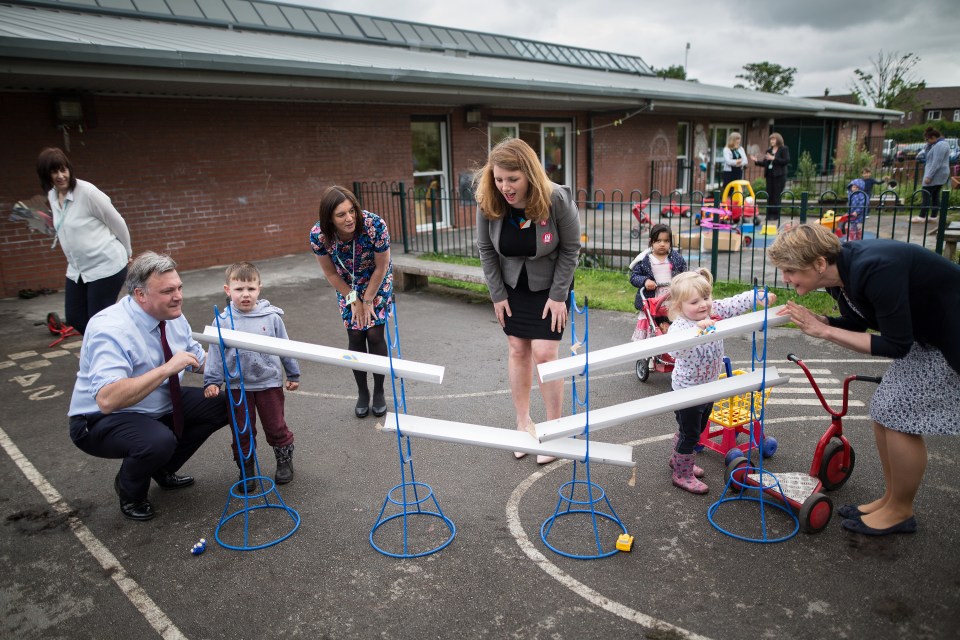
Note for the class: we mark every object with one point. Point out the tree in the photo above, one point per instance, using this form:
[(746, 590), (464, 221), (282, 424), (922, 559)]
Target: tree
[(891, 85), (767, 77), (674, 71)]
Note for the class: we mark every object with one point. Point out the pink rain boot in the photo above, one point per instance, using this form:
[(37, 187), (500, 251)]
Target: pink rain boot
[(683, 474), (697, 471)]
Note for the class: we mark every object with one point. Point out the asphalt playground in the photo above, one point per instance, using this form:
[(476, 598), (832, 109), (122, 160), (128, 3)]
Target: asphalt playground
[(74, 568)]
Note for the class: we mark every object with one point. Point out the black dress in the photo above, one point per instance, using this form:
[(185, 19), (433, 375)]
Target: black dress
[(518, 237)]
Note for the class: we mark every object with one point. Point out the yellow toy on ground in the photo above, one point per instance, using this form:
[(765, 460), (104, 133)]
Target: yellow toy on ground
[(625, 542)]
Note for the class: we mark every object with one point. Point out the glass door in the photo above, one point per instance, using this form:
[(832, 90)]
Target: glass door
[(431, 202), (720, 133)]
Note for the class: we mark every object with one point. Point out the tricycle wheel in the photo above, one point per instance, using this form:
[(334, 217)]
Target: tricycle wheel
[(815, 513), (643, 369), (769, 447), (735, 472), (685, 212), (747, 240), (833, 474), (634, 233), (53, 323)]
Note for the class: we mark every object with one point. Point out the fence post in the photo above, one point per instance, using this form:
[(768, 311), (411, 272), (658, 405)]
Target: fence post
[(358, 191), (942, 220), (804, 200), (433, 219), (402, 193), (715, 249)]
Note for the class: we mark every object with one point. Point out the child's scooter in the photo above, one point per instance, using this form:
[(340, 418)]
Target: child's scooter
[(831, 467)]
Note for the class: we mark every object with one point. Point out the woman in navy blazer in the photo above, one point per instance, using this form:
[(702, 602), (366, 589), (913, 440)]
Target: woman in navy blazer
[(528, 235), (774, 163)]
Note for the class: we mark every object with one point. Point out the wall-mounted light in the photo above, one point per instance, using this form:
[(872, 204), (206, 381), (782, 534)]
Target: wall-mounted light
[(69, 110), (473, 115)]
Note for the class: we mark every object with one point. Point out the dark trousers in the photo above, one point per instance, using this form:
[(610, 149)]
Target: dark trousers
[(931, 201), (775, 187), (692, 421), (147, 445), (83, 300), (726, 177), (269, 404)]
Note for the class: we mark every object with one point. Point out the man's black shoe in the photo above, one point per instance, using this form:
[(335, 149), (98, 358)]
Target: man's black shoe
[(168, 480), (132, 509)]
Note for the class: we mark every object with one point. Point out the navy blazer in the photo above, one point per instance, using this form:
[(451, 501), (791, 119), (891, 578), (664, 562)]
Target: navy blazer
[(558, 249)]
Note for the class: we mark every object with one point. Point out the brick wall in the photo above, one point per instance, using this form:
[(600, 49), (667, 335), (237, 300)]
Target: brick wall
[(208, 182)]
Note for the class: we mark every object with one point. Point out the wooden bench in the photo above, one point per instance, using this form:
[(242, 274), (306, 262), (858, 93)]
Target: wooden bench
[(950, 237), (410, 272)]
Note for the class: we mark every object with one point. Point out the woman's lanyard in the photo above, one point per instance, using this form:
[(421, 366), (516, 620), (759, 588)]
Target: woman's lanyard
[(353, 264), (63, 216)]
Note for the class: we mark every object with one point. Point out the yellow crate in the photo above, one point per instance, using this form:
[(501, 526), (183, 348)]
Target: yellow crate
[(735, 411)]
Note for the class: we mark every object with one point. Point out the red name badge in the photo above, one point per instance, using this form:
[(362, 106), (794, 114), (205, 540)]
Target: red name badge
[(547, 238)]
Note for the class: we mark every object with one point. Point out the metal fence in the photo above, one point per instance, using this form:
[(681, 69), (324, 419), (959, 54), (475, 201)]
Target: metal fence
[(615, 225)]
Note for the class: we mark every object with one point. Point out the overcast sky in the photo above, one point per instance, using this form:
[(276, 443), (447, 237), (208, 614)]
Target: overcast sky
[(824, 39)]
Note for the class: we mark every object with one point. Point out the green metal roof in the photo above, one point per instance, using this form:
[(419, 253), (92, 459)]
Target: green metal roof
[(307, 21)]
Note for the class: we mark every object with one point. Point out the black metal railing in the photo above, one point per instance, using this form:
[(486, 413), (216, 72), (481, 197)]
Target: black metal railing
[(615, 225)]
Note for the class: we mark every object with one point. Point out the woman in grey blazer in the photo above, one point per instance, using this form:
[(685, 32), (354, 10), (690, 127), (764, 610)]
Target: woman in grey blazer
[(528, 235)]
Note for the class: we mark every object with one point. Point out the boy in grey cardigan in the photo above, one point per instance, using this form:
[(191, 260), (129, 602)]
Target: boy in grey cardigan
[(262, 373)]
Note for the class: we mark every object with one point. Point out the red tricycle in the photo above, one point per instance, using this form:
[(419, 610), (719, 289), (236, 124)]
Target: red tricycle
[(833, 461), (639, 211)]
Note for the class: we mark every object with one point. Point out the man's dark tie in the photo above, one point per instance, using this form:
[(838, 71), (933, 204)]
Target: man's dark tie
[(174, 384)]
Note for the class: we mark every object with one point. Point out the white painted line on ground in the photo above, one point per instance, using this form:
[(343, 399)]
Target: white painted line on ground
[(590, 595), (134, 592)]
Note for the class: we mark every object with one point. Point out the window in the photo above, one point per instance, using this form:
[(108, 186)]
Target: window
[(956, 115), (430, 174), (933, 114), (550, 141)]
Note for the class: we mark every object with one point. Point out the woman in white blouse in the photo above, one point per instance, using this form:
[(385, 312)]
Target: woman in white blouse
[(734, 160), (92, 234)]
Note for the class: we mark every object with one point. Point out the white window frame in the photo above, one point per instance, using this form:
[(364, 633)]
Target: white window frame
[(443, 176)]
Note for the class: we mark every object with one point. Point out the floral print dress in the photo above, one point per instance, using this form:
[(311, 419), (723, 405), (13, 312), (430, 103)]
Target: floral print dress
[(355, 263)]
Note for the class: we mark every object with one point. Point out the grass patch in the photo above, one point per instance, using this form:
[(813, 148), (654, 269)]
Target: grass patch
[(612, 291)]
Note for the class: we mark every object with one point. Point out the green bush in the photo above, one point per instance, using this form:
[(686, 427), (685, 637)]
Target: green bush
[(854, 159), (806, 173), (759, 184)]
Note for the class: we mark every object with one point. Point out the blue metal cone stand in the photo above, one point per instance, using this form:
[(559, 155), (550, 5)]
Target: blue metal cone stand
[(741, 491), (582, 497), (265, 494), (410, 501)]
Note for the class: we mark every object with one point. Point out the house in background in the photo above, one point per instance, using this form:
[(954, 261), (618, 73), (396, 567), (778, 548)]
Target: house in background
[(936, 103), (214, 124)]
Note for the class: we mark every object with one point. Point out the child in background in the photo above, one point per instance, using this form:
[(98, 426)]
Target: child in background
[(693, 306), (262, 373), (857, 204), (652, 271), (869, 182)]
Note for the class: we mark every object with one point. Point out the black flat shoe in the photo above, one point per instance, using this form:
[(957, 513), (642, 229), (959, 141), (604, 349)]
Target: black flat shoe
[(363, 406), (379, 407), (849, 512), (132, 509), (857, 526), (168, 480)]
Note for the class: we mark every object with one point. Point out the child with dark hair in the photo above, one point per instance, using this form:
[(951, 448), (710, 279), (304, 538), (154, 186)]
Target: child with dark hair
[(651, 272)]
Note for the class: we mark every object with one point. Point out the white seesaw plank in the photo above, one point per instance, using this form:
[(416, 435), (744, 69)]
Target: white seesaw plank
[(650, 347), (326, 355), (663, 403), (509, 439)]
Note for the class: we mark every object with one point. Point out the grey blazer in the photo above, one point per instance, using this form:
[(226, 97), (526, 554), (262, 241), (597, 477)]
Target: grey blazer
[(558, 248)]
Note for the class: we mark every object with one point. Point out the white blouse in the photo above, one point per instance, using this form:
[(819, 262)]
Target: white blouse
[(92, 233)]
